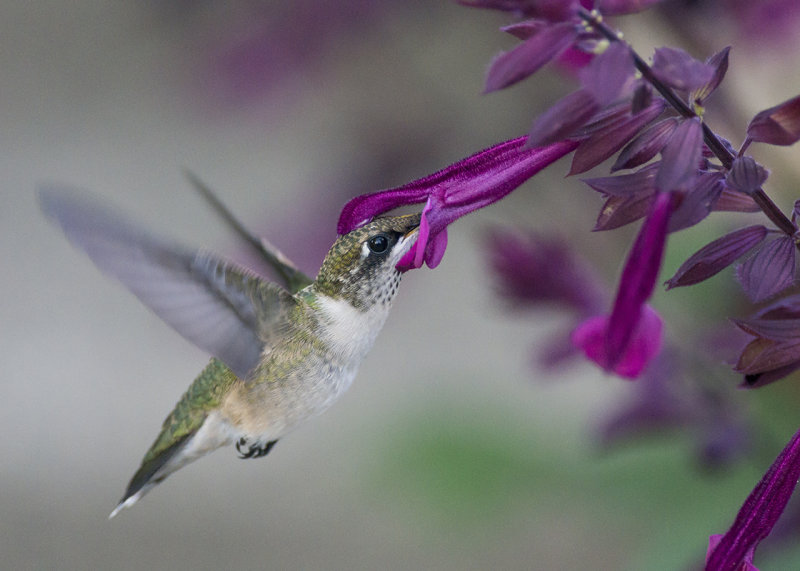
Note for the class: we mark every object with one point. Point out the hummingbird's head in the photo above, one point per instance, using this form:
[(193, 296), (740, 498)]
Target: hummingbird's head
[(360, 266)]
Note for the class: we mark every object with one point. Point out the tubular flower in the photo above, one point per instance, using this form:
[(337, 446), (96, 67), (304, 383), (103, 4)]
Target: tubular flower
[(468, 185)]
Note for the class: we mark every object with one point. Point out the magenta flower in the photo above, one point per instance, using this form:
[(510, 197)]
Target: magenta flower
[(468, 185), (625, 341), (761, 510)]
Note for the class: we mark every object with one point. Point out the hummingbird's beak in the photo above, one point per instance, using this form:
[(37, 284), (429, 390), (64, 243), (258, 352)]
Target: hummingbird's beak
[(414, 226), (410, 233)]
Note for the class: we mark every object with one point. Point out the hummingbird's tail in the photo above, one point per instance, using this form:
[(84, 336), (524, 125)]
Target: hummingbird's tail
[(160, 462), (193, 429), (145, 477)]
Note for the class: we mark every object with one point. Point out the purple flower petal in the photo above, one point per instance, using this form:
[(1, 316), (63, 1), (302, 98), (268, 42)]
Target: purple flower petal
[(681, 156), (621, 210), (759, 513), (643, 345), (679, 70), (769, 271), (719, 61), (638, 276), (716, 256), (527, 58), (468, 185), (779, 125), (646, 146), (563, 118), (608, 141), (625, 341), (746, 175)]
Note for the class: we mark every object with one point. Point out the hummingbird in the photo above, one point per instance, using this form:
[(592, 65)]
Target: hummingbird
[(279, 355)]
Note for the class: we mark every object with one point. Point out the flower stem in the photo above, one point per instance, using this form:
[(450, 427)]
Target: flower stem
[(595, 20)]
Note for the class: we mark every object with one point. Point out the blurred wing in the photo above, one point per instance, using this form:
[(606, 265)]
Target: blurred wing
[(223, 309), (292, 277)]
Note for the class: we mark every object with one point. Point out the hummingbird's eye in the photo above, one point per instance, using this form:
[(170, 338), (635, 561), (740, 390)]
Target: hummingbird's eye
[(378, 244)]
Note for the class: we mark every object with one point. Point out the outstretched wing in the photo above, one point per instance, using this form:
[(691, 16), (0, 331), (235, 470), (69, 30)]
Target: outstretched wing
[(225, 310)]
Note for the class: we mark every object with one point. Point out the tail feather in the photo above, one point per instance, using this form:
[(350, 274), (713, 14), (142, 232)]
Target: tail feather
[(192, 429), (147, 476)]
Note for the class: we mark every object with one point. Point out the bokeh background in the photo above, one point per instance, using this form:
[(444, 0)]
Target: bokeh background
[(451, 450)]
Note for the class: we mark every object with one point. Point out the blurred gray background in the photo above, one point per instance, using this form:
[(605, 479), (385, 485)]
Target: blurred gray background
[(446, 453)]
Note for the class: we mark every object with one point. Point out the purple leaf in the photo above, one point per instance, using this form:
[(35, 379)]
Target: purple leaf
[(526, 29), (785, 308), (527, 58), (765, 355), (679, 70), (621, 210), (608, 73), (774, 329), (605, 142), (768, 271), (643, 180), (696, 203), (719, 61), (642, 97), (680, 156), (759, 513), (607, 118), (646, 146), (732, 201), (563, 118), (758, 380), (746, 175), (779, 125), (716, 256)]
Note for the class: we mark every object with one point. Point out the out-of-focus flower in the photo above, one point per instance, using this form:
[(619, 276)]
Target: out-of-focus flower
[(734, 550), (468, 185), (766, 21), (532, 270), (625, 341), (252, 55)]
